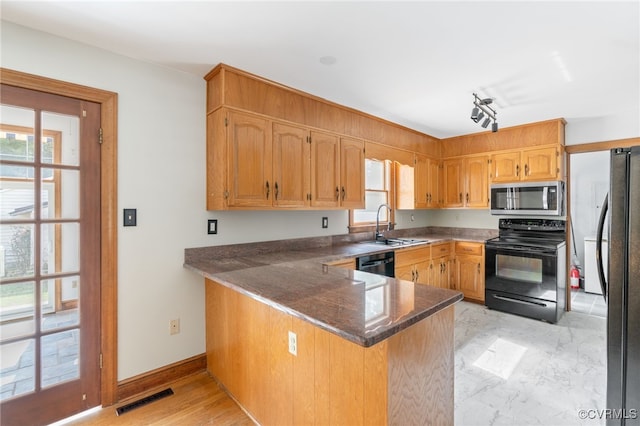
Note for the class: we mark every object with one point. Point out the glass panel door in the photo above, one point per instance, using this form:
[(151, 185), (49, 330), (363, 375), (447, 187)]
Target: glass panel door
[(48, 215)]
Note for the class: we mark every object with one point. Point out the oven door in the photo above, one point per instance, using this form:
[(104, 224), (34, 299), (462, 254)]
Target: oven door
[(522, 270)]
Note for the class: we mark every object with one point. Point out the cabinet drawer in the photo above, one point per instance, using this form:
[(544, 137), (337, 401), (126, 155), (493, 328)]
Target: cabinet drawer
[(345, 263), (440, 249), (467, 247), (411, 256)]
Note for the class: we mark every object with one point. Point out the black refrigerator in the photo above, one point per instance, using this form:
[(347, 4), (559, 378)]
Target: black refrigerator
[(622, 289)]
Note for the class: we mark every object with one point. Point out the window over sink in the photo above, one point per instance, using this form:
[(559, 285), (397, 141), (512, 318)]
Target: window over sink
[(378, 190)]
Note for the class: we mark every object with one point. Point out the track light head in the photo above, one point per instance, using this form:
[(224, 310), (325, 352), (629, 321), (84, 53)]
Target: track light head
[(481, 109)]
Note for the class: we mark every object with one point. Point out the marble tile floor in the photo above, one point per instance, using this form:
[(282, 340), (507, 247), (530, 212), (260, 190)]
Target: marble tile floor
[(511, 370), (588, 303)]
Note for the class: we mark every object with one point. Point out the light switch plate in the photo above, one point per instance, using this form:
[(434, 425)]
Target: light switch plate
[(129, 217), (212, 226)]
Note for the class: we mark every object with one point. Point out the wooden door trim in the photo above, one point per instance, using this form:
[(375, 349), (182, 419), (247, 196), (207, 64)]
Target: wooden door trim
[(109, 223)]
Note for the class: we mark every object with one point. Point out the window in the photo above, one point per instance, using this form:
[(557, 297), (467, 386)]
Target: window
[(378, 190), (17, 245)]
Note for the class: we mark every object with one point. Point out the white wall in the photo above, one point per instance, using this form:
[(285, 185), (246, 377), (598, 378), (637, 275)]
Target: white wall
[(161, 172), (588, 130)]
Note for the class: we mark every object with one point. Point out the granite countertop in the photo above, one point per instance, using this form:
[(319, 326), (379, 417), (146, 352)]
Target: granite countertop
[(292, 276)]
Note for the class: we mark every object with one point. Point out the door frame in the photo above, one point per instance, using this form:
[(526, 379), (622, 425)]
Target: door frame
[(108, 209), (578, 149)]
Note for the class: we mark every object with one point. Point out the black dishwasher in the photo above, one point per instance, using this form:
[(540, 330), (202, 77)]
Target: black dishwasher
[(379, 263)]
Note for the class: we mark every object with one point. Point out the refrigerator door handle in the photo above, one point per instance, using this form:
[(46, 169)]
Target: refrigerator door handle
[(599, 264)]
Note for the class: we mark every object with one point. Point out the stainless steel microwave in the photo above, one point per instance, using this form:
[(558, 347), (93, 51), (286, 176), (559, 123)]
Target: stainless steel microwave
[(528, 198)]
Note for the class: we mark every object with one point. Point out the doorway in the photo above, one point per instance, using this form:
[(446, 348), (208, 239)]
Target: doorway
[(106, 233), (589, 185), (49, 238), (587, 182)]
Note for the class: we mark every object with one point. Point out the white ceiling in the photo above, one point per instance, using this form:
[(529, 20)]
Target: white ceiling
[(414, 63)]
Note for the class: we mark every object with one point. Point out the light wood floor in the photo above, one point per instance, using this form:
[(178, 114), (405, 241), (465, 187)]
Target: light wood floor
[(197, 400)]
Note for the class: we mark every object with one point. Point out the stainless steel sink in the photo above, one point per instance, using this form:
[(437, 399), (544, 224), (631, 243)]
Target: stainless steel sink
[(397, 241)]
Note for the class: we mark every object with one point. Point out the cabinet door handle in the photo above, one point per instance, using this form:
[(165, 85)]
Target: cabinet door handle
[(526, 170), (467, 198), (478, 268), (337, 193), (413, 275), (268, 190), (343, 193), (417, 275), (517, 170), (276, 191), (461, 197)]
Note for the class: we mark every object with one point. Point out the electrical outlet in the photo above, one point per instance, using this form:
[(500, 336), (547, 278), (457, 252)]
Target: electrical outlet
[(293, 343), (325, 222), (174, 326)]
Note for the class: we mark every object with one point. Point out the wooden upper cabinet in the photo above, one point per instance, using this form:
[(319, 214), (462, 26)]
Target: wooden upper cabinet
[(258, 163), (535, 164), (406, 187), (351, 173), (476, 181), (505, 167), (427, 182), (421, 177), (291, 166), (541, 164), (453, 185), (325, 170), (256, 140), (434, 187), (249, 178), (466, 182)]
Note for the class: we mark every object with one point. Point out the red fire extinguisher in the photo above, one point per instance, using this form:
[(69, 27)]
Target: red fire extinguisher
[(575, 277)]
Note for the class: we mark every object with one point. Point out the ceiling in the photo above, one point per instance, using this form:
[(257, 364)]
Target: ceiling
[(413, 63)]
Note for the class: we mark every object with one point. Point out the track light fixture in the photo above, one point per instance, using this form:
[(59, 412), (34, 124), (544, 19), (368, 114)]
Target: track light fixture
[(480, 108)]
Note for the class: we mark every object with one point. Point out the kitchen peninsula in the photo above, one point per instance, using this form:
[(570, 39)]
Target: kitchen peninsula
[(297, 341)]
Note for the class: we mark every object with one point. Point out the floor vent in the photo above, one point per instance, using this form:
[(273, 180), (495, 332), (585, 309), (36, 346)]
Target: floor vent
[(144, 401)]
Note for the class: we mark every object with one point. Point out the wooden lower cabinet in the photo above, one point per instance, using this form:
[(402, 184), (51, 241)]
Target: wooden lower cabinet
[(440, 267), (469, 275), (441, 270), (413, 264), (405, 379)]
